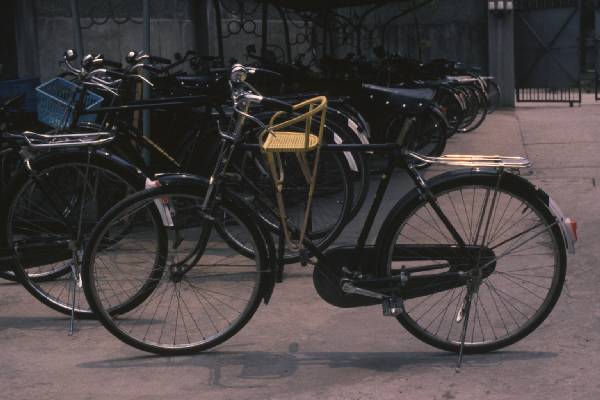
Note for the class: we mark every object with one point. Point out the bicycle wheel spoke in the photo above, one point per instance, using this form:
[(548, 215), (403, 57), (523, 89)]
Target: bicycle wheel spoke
[(173, 288), (519, 266)]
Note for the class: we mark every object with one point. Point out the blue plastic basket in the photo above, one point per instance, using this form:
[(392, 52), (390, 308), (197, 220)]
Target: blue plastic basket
[(13, 88), (56, 99)]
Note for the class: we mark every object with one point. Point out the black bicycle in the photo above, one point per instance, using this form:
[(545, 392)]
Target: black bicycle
[(66, 182), (470, 261)]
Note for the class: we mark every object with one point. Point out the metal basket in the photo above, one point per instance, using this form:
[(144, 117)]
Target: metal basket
[(56, 100)]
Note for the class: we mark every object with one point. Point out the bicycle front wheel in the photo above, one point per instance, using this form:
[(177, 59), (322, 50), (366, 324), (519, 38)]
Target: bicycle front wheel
[(173, 287), (502, 220)]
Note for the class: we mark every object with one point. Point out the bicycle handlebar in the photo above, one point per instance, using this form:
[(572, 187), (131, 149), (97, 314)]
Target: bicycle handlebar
[(159, 60), (276, 105)]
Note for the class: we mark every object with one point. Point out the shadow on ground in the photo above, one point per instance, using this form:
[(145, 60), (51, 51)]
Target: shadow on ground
[(268, 365), (59, 323)]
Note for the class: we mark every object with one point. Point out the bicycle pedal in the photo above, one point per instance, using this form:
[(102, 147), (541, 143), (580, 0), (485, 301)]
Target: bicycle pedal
[(392, 306)]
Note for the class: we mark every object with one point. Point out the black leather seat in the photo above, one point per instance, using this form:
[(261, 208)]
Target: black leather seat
[(416, 93)]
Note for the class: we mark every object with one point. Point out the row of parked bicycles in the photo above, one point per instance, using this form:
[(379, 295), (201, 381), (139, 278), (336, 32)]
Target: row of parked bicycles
[(173, 241)]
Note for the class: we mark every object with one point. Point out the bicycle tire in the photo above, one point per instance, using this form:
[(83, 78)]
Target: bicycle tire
[(146, 331), (448, 99), (427, 135), (48, 279), (418, 317), (250, 165), (357, 162), (322, 238), (480, 106), (8, 161), (493, 95)]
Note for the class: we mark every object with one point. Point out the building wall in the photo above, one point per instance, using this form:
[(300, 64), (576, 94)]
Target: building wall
[(113, 31), (454, 29)]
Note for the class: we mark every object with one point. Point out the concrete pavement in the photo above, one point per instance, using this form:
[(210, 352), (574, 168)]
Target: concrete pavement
[(299, 347)]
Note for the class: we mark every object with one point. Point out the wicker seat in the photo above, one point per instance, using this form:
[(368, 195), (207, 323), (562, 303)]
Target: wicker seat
[(290, 142), (275, 141)]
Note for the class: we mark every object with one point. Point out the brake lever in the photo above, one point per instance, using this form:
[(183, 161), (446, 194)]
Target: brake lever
[(101, 86), (115, 82), (143, 79), (148, 67)]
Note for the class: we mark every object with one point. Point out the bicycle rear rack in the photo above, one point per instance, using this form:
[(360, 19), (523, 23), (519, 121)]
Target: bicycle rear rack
[(474, 161), (38, 140)]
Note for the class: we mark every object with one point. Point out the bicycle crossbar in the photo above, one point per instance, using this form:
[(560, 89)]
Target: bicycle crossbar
[(153, 104), (338, 147)]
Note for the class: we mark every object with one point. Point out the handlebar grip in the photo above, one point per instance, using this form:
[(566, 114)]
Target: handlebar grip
[(276, 105), (152, 68), (70, 55), (159, 60)]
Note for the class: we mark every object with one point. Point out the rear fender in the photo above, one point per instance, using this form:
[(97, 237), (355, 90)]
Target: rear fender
[(202, 185), (567, 233), (98, 155)]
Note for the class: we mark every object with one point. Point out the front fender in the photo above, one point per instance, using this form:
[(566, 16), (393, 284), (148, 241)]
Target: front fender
[(202, 185)]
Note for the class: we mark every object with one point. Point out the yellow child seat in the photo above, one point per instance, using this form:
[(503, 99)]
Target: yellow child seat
[(276, 140)]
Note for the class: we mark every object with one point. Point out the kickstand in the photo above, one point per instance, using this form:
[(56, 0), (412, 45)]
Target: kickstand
[(74, 282), (280, 254), (463, 314)]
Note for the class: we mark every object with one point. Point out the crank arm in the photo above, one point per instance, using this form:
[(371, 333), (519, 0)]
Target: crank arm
[(349, 288)]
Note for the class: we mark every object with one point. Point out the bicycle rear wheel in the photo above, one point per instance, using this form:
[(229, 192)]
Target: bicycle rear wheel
[(450, 102), (478, 106), (493, 95), (524, 269), (206, 291), (427, 134), (9, 160)]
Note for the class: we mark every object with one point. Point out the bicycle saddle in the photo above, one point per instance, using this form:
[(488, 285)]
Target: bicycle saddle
[(380, 97), (421, 94)]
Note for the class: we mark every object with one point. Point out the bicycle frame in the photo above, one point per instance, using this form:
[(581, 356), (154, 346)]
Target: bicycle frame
[(396, 158), (109, 115)]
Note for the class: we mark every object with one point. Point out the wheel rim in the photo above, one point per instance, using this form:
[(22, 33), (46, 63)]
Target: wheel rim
[(513, 299), (32, 221), (195, 310)]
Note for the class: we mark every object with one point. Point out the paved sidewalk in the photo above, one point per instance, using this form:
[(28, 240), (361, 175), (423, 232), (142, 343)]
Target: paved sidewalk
[(299, 347)]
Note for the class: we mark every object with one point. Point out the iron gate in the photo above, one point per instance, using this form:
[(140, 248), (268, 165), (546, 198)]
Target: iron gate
[(547, 50)]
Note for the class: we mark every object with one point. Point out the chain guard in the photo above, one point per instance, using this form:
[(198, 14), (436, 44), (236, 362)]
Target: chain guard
[(328, 285)]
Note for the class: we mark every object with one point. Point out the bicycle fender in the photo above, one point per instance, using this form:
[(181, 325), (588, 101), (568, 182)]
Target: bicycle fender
[(96, 155), (415, 194), (568, 227), (202, 184), (567, 230)]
